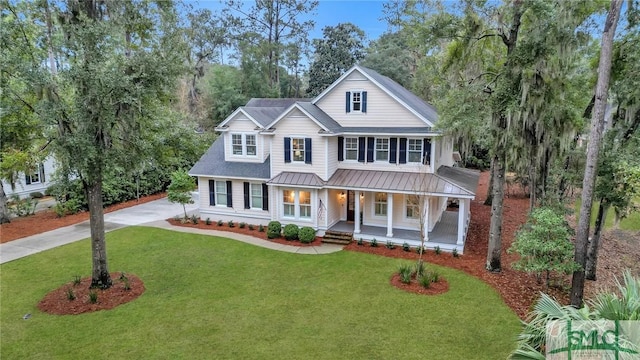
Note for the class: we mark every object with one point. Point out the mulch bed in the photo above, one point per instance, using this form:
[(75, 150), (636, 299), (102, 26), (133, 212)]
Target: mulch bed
[(57, 302), (437, 288), (47, 220)]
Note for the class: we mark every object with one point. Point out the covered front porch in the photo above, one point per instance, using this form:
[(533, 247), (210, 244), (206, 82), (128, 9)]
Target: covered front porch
[(445, 234)]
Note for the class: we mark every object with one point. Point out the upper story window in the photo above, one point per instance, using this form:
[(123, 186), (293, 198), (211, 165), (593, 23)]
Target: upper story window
[(244, 144), (414, 151), (297, 149), (351, 148), (382, 149), (356, 101)]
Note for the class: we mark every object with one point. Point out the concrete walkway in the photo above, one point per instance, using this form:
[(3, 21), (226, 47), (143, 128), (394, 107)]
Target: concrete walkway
[(152, 214)]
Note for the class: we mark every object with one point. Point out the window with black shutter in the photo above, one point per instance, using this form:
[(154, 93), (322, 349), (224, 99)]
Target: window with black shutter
[(229, 194), (212, 193), (403, 151), (370, 147), (247, 196)]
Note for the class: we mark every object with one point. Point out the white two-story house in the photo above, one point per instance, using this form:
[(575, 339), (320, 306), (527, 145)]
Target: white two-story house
[(362, 157)]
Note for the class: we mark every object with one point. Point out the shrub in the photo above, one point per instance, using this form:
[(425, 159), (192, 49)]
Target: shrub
[(290, 231), (242, 225), (93, 296), (208, 221), (307, 234), (36, 195), (251, 227), (455, 253), (437, 250), (77, 280), (419, 248), (127, 286), (70, 294), (220, 222), (405, 273), (194, 219), (360, 242), (260, 228), (374, 243), (274, 228), (420, 268), (425, 281), (22, 207), (231, 224), (390, 245), (405, 247)]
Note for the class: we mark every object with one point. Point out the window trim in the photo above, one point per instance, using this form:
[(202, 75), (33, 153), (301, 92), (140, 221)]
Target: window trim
[(244, 145), (407, 197), (38, 173), (419, 142), (293, 150), (346, 151), (217, 193), (353, 102), (297, 205), (252, 196), (375, 149), (376, 202)]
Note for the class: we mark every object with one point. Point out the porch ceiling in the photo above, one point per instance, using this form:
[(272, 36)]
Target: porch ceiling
[(401, 182)]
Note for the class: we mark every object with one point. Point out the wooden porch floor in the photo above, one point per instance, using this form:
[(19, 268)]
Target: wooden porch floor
[(444, 232)]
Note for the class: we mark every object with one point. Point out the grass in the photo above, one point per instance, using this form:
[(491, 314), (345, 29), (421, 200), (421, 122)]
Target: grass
[(632, 222), (209, 297)]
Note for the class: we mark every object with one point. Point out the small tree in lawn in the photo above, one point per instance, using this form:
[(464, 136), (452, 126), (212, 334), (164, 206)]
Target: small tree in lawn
[(179, 191), (544, 245)]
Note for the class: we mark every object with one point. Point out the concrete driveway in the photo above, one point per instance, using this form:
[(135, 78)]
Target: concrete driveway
[(136, 215)]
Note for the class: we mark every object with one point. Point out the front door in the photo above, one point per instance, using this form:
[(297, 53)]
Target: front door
[(351, 205)]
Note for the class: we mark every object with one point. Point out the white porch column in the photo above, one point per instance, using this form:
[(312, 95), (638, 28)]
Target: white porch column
[(426, 218), (356, 225), (389, 215), (462, 216)]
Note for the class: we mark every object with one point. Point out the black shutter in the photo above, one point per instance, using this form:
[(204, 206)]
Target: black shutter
[(287, 150), (340, 148), (229, 195), (42, 173), (371, 143), (426, 151), (364, 101), (348, 102), (247, 190), (265, 197), (361, 147), (307, 150), (403, 151), (27, 179), (212, 193), (393, 148)]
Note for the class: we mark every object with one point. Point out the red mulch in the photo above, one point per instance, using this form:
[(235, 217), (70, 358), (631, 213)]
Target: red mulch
[(440, 287), (47, 220), (57, 301), (245, 231)]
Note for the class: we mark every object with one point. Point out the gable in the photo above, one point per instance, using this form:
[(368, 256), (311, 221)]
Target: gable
[(382, 110)]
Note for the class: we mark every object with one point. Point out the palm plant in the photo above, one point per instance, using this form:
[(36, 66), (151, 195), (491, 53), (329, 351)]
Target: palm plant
[(605, 305)]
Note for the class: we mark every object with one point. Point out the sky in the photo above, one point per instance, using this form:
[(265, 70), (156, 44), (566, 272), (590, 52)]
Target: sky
[(365, 14)]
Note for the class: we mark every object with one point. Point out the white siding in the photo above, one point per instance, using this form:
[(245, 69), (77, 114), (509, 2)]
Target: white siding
[(242, 124), (332, 155), (23, 190), (237, 213), (335, 207), (382, 109), (296, 124)]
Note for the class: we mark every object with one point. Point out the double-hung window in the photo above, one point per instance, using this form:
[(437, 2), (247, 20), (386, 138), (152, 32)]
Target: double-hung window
[(221, 193), (244, 144), (256, 196), (289, 203), (351, 148), (380, 204), (34, 178), (414, 151), (297, 149), (412, 207), (304, 200), (356, 101), (382, 149)]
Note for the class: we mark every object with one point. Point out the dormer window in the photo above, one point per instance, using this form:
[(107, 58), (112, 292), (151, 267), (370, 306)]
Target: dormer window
[(356, 101), (244, 144)]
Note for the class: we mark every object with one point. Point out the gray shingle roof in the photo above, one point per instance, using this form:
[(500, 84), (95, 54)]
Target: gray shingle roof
[(212, 164), (465, 178), (322, 117), (263, 115), (270, 102), (409, 98)]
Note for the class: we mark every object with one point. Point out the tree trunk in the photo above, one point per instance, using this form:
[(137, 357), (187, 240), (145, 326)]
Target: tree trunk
[(595, 137), (4, 209), (100, 277), (495, 231), (533, 182), (594, 244), (489, 198)]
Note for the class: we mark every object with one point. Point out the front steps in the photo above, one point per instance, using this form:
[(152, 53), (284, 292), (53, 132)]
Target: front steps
[(337, 237)]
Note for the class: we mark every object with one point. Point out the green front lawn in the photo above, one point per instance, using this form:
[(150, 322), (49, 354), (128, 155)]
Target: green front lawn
[(215, 298)]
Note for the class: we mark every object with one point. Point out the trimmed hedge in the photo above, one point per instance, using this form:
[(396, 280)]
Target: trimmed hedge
[(290, 232), (274, 229), (307, 234)]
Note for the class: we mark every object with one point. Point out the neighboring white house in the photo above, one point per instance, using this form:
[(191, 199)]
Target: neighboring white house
[(362, 157), (37, 181)]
